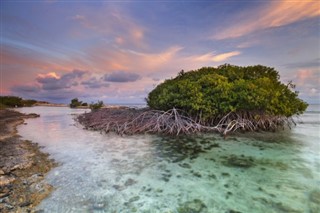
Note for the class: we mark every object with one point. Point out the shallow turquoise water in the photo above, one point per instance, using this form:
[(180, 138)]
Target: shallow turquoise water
[(256, 172)]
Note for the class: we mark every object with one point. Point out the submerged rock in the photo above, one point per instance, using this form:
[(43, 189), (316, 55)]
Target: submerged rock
[(197, 174), (133, 199), (283, 208), (99, 206), (194, 206), (314, 203), (315, 196), (239, 161), (130, 182), (232, 211), (185, 165)]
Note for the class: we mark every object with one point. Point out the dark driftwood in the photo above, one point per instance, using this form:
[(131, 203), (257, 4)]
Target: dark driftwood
[(174, 121)]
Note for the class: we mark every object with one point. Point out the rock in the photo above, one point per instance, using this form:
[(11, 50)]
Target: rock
[(242, 161), (280, 206), (165, 179), (27, 203), (195, 206), (232, 211), (5, 180), (178, 159), (314, 196), (215, 145), (19, 161), (130, 182), (225, 174), (40, 188), (98, 206), (197, 174), (34, 178), (133, 199), (8, 206), (185, 165), (118, 187), (159, 190), (4, 194), (212, 176)]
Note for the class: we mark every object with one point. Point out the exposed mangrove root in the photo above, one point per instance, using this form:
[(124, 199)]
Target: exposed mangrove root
[(175, 122)]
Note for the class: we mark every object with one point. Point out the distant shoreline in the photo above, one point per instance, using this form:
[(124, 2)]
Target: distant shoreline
[(51, 105), (88, 107)]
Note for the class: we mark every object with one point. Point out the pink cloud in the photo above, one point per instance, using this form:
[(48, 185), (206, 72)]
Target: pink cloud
[(308, 83), (211, 57), (107, 59), (113, 23), (305, 75), (49, 75), (276, 14)]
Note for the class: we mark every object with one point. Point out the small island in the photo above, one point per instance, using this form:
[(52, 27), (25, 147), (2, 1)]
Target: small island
[(225, 99)]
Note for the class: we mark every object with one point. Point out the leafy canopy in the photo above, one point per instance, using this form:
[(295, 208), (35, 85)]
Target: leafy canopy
[(211, 92)]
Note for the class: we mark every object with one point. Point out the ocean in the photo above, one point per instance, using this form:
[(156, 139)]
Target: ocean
[(247, 172)]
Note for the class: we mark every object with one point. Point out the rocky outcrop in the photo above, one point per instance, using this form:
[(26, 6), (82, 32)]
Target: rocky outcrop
[(22, 167)]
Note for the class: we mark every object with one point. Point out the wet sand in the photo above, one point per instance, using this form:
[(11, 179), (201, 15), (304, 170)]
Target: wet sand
[(22, 166)]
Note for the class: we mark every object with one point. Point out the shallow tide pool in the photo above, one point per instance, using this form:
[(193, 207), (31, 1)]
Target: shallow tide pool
[(256, 172)]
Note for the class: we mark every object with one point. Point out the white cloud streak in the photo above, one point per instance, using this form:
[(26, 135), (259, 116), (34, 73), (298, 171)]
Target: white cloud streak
[(211, 57)]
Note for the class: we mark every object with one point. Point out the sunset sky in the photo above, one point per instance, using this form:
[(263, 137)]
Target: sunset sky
[(118, 51)]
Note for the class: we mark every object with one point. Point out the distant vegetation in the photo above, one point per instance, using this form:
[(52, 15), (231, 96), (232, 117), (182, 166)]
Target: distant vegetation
[(75, 103), (13, 101), (95, 106)]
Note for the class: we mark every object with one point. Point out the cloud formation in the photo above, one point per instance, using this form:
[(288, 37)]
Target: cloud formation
[(216, 58), (276, 14), (25, 89), (121, 77), (94, 83), (112, 22), (52, 81), (306, 64)]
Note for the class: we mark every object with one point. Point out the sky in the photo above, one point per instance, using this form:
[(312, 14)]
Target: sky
[(118, 51)]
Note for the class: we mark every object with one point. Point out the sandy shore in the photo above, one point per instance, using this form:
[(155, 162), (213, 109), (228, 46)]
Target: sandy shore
[(22, 167)]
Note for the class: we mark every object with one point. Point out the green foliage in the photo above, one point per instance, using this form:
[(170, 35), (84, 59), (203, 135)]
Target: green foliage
[(95, 106), (211, 92), (75, 103), (28, 103), (2, 106), (13, 101)]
